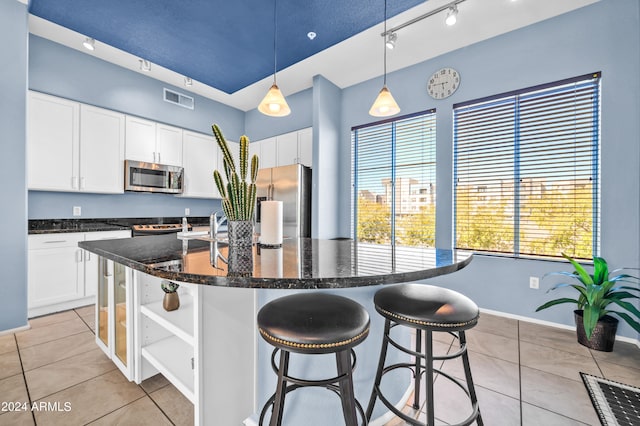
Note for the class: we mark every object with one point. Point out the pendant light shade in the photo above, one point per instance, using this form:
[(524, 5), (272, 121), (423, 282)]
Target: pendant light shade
[(274, 104), (384, 105)]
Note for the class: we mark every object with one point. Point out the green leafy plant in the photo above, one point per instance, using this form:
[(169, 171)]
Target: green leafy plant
[(597, 291), (238, 195), (168, 286)]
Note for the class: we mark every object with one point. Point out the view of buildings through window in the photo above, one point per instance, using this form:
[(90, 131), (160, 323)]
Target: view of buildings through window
[(527, 170), (394, 181)]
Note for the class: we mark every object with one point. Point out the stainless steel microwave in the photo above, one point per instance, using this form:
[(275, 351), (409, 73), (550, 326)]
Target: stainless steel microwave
[(151, 177)]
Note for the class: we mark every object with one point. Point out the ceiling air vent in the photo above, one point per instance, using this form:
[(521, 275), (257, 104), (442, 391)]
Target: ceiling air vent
[(178, 98)]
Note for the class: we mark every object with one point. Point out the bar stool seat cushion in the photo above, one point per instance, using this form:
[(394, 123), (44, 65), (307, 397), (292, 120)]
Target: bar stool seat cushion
[(313, 323), (427, 306)]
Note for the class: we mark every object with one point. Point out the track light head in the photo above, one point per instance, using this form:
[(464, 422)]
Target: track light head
[(391, 41), (452, 15), (188, 82), (145, 65), (89, 44)]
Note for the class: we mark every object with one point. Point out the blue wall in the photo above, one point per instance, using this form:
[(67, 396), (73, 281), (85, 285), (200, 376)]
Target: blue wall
[(13, 85), (601, 37)]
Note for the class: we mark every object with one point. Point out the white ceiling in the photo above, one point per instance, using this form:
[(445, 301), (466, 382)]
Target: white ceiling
[(356, 59)]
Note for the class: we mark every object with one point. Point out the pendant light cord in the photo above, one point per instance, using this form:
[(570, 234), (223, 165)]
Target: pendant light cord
[(384, 44), (275, 31)]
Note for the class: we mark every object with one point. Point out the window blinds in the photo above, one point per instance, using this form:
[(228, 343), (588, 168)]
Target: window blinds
[(526, 171), (393, 180)]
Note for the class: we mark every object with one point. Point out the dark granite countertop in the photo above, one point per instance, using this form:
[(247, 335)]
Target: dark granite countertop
[(55, 226), (301, 263)]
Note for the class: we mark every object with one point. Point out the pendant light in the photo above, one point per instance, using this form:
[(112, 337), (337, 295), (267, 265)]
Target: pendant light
[(274, 104), (384, 105)]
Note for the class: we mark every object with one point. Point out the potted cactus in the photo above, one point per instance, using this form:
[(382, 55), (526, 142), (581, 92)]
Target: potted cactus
[(238, 194)]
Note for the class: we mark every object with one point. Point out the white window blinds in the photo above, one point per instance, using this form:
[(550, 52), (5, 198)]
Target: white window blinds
[(394, 178), (526, 171)]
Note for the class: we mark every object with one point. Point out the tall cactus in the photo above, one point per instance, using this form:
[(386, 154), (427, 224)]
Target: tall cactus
[(238, 196)]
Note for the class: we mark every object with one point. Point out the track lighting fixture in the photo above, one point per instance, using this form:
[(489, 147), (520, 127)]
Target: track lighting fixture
[(188, 82), (145, 65), (89, 44), (452, 15), (391, 40)]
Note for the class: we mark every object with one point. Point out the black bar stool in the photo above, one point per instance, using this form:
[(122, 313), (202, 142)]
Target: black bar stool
[(314, 323), (426, 309)]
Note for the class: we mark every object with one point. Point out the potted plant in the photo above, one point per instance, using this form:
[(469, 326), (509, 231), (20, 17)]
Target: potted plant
[(171, 300), (238, 194), (596, 329)]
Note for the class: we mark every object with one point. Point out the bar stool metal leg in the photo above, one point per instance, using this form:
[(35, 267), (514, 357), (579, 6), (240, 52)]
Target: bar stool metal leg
[(429, 379), (383, 358), (278, 404), (347, 395), (469, 378), (417, 371)]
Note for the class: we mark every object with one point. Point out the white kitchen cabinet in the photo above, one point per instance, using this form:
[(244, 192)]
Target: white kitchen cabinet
[(200, 155), (305, 147), (153, 142), (74, 147), (288, 148), (53, 138), (60, 274), (268, 153), (101, 150)]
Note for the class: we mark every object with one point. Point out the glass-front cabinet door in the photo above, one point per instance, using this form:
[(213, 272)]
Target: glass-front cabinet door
[(114, 314), (120, 301)]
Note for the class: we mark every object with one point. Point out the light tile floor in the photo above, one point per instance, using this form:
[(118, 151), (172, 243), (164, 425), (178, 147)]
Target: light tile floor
[(525, 374)]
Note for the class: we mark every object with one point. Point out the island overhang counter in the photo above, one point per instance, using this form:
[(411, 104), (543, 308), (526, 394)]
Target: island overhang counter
[(231, 364)]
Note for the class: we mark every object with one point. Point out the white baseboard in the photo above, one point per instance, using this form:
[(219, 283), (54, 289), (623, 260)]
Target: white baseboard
[(551, 324), (15, 330), (59, 307)]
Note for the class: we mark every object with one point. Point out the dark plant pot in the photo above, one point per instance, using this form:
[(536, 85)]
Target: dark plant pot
[(171, 301), (603, 336), (240, 233)]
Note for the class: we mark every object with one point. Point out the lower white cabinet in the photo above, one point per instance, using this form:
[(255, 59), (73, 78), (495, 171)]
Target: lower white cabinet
[(60, 274)]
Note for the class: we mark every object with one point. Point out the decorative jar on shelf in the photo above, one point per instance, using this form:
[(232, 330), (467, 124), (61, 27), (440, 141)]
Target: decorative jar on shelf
[(171, 300)]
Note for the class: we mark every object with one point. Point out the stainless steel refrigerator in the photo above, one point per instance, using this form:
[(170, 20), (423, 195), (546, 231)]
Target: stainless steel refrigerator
[(291, 185)]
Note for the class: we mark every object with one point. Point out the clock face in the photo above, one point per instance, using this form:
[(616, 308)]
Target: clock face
[(443, 83)]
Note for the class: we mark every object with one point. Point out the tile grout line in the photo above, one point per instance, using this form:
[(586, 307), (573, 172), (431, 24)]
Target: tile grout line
[(519, 373), (24, 378), (156, 404)]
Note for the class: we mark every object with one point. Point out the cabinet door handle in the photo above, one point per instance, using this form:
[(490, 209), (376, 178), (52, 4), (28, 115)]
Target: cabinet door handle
[(79, 256), (154, 157), (55, 241), (159, 161), (82, 183), (74, 182), (88, 256)]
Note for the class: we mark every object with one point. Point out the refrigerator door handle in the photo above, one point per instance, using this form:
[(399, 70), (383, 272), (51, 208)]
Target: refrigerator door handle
[(270, 192)]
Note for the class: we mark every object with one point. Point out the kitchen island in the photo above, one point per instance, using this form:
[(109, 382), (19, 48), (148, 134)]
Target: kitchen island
[(215, 330)]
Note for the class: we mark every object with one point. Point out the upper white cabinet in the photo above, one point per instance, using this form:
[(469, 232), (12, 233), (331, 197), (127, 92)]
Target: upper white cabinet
[(53, 139), (153, 142), (200, 155), (285, 149), (73, 147), (101, 150)]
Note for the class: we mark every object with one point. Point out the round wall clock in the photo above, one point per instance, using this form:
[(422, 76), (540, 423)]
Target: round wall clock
[(443, 83)]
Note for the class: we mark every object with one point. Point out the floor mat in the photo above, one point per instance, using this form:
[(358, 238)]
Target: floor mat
[(617, 404)]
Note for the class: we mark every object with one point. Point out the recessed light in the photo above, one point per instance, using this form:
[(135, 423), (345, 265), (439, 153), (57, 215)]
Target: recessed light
[(311, 35), (89, 43)]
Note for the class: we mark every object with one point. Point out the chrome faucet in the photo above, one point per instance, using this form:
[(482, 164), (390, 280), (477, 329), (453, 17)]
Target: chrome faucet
[(214, 223)]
